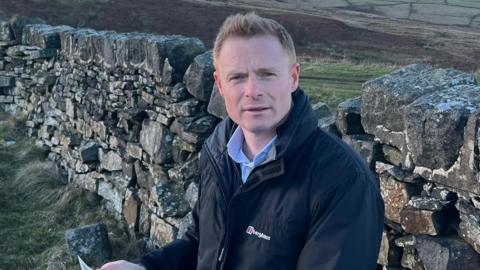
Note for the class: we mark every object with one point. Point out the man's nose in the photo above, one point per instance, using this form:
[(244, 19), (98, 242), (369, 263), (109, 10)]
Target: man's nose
[(253, 87)]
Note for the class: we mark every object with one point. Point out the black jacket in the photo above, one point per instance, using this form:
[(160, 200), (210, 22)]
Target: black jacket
[(316, 206)]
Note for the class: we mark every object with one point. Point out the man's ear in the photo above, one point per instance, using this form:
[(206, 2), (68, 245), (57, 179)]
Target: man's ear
[(218, 81), (295, 75)]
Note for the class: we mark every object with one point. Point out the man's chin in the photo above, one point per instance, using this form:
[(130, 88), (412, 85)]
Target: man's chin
[(259, 129)]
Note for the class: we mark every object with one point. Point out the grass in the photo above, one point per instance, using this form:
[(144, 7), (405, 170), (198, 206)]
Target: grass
[(335, 81), (37, 207)]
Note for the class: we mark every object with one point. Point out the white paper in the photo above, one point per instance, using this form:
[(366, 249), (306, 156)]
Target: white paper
[(83, 265)]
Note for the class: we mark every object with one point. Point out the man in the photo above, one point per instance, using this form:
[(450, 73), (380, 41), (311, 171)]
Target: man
[(276, 192)]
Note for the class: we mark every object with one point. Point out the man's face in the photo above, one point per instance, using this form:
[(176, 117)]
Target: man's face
[(256, 79)]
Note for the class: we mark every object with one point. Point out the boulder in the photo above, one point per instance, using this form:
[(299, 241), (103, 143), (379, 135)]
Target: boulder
[(110, 161), (156, 140), (6, 32), (169, 198), (435, 125), (90, 242), (216, 105), (89, 152), (43, 36), (199, 76), (161, 232), (348, 118), (469, 228), (384, 99)]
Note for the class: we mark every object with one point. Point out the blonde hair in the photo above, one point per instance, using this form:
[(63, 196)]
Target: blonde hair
[(250, 25)]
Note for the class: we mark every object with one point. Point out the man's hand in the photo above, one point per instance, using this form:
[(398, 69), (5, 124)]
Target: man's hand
[(121, 265)]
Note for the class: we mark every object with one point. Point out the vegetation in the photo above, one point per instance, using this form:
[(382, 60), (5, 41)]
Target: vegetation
[(335, 81), (37, 207)]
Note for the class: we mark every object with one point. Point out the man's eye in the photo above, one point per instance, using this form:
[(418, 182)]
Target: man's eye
[(236, 78), (268, 74)]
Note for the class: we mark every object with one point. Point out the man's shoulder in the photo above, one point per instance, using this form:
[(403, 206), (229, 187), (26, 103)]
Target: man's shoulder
[(332, 157)]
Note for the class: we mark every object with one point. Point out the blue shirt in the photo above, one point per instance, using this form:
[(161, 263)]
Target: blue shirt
[(235, 151)]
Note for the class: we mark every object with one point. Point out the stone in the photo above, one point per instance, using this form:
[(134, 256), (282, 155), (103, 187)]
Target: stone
[(179, 92), (17, 23), (199, 76), (88, 181), (143, 178), (161, 232), (30, 52), (185, 171), (390, 254), (191, 195), (144, 221), (368, 149), (131, 209), (43, 36), (169, 197), (130, 49), (156, 140), (167, 73), (113, 197), (181, 51), (348, 117), (435, 125), (424, 221), (103, 43), (469, 227), (128, 170), (460, 176), (184, 224), (443, 194), (384, 99), (202, 125), (6, 32), (70, 108), (75, 44), (7, 81), (110, 161), (429, 203), (178, 49), (89, 152), (396, 195), (392, 155), (189, 107), (216, 105), (6, 99), (134, 150), (447, 253), (410, 259), (326, 119), (90, 242)]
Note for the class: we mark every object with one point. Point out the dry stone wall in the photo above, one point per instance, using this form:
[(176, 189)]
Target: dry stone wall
[(418, 128), (125, 115)]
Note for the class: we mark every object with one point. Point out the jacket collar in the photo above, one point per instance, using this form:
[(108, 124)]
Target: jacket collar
[(292, 133)]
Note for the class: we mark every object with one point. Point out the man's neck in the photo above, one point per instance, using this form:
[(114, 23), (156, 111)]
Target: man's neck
[(254, 143)]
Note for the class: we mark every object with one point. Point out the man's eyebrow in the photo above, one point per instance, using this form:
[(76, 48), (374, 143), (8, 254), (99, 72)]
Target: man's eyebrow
[(265, 69), (235, 72)]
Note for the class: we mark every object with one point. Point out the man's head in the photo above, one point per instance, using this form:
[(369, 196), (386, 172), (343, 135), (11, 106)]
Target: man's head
[(251, 25), (256, 71)]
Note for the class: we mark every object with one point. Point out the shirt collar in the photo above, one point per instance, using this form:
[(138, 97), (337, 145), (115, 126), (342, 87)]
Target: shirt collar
[(235, 149)]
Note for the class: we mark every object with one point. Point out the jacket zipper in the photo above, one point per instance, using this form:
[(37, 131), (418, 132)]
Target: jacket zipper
[(217, 171), (223, 252)]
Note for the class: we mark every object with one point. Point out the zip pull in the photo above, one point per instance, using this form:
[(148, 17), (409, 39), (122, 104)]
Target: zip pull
[(220, 257)]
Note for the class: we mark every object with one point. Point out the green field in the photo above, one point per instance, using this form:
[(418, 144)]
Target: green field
[(335, 82)]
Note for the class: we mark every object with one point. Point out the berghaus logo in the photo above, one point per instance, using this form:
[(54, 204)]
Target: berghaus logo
[(251, 231)]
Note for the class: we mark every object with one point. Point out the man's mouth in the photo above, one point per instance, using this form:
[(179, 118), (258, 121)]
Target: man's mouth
[(255, 109)]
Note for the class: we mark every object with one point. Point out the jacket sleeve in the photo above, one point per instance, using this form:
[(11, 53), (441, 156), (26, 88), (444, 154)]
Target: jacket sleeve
[(345, 227), (179, 254)]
